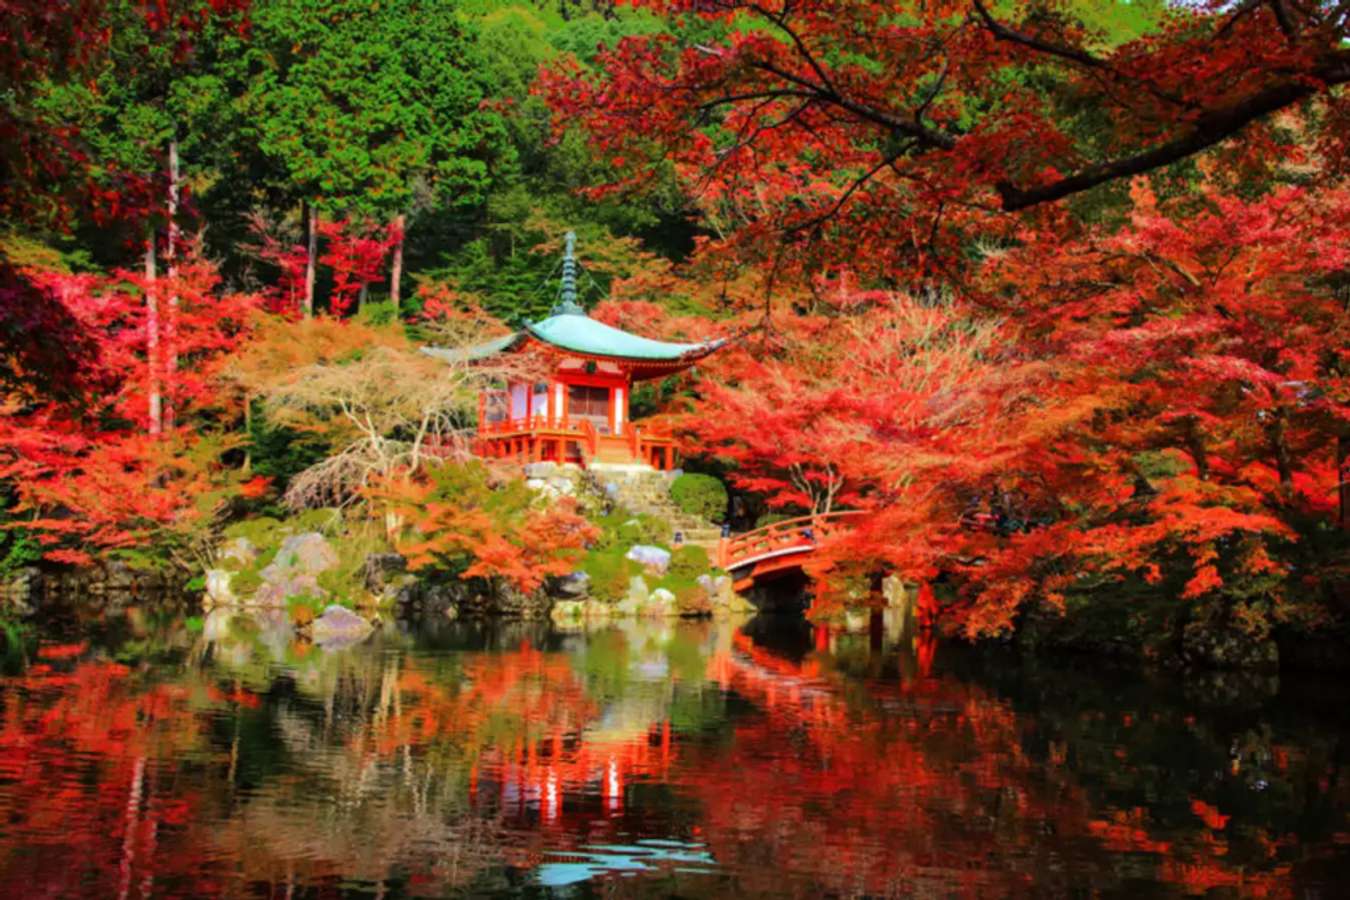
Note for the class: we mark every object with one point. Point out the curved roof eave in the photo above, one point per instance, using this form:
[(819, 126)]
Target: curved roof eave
[(582, 334), (476, 351)]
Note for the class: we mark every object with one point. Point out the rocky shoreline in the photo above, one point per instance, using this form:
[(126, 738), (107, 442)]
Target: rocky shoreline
[(388, 591)]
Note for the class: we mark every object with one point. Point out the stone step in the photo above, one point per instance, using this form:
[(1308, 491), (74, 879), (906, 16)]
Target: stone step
[(649, 494)]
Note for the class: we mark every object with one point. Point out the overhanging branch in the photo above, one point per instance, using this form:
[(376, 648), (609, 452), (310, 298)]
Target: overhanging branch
[(1208, 130)]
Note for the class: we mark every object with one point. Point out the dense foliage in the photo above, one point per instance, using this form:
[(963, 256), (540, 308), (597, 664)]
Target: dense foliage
[(1063, 305), (461, 521), (1057, 292), (700, 495)]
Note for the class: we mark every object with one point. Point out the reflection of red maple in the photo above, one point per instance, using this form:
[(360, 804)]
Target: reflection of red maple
[(878, 802), (821, 783)]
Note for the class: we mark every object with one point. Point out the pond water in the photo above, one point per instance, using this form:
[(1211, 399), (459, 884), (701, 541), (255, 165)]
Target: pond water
[(142, 756)]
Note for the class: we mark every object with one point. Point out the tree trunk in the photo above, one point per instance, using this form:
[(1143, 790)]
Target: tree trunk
[(311, 217), (248, 433), (361, 295), (170, 251), (396, 274), (1195, 445), (1280, 448), (155, 418)]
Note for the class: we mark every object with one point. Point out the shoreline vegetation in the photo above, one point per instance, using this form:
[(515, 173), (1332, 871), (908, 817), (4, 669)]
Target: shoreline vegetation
[(1056, 300)]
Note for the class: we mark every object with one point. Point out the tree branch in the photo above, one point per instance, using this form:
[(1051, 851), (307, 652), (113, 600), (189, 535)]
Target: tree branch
[(1004, 33), (1208, 130), (890, 121), (852, 188)]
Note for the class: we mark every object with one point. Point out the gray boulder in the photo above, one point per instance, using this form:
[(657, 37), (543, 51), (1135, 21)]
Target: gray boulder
[(516, 604), (118, 575), (540, 469), (301, 554), (662, 603), (654, 559), (277, 592), (338, 626), (441, 600)]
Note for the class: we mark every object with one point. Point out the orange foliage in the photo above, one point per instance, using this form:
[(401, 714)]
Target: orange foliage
[(457, 518)]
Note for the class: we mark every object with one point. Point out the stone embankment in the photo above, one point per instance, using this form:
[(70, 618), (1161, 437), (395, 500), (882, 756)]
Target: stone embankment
[(325, 585), (112, 584)]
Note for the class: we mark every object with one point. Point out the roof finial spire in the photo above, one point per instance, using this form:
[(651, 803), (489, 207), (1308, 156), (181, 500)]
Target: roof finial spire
[(567, 296)]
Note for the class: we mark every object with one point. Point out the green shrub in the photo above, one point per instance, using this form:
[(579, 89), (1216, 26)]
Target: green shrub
[(377, 313), (624, 529), (261, 532), (700, 495), (689, 594), (324, 521), (18, 548), (344, 582), (610, 572), (689, 562), (645, 529)]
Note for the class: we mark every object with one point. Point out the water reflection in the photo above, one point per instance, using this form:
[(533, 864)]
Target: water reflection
[(141, 756)]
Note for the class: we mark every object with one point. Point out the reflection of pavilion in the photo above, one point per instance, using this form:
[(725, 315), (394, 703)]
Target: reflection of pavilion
[(579, 412), (534, 776)]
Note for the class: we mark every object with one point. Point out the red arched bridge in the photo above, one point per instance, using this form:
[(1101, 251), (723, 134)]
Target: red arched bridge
[(778, 547)]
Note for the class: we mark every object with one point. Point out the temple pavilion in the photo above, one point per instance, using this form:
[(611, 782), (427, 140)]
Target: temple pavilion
[(579, 414)]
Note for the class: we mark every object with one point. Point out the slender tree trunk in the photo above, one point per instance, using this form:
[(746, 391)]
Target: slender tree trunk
[(396, 274), (155, 416), (1280, 448), (1195, 445), (311, 217), (361, 295), (130, 820), (248, 433), (170, 253)]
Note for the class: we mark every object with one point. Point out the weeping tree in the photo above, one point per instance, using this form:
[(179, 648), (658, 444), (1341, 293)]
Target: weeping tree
[(385, 408)]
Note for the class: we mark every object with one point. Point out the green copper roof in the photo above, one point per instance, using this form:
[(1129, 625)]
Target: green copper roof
[(580, 333), (475, 352), (569, 328)]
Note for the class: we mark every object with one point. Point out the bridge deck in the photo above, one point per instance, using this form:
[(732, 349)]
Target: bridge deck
[(763, 550)]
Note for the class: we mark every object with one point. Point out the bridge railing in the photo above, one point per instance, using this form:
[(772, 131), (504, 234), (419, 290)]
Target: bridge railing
[(801, 533)]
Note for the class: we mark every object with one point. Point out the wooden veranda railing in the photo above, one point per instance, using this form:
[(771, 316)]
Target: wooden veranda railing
[(572, 440), (786, 538)]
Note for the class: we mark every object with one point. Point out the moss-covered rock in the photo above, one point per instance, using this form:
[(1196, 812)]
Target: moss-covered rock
[(315, 554)]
